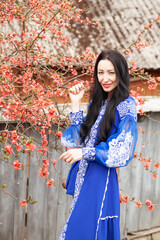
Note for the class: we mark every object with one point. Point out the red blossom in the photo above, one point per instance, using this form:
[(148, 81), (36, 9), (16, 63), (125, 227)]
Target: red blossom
[(134, 68), (128, 51), (148, 202), (8, 149), (141, 159), (126, 199), (19, 147), (45, 143), (42, 151), (30, 146), (139, 129), (14, 135), (50, 182), (147, 165), (151, 25), (60, 93), (157, 165), (74, 72), (135, 155), (17, 164), (154, 175), (45, 163), (43, 172), (141, 101), (152, 86), (151, 207), (141, 111), (49, 131), (23, 203), (59, 134), (147, 160), (121, 198), (54, 162), (51, 112), (43, 131), (138, 204)]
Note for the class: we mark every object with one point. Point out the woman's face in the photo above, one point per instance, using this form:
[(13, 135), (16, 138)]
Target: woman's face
[(107, 76)]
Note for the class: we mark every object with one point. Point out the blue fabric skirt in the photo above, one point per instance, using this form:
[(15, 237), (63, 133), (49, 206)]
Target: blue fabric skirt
[(96, 213)]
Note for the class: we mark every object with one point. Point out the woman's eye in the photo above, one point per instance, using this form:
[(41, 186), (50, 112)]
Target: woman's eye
[(100, 73), (111, 73)]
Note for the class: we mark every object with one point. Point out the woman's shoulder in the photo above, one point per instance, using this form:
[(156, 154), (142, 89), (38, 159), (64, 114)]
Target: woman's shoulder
[(127, 108)]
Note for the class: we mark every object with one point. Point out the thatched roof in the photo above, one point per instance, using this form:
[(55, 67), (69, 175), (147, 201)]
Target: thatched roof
[(121, 21)]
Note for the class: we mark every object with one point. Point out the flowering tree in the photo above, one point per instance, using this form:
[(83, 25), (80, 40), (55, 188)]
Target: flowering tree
[(33, 76)]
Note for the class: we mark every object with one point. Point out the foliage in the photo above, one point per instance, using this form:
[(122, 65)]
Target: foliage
[(33, 76)]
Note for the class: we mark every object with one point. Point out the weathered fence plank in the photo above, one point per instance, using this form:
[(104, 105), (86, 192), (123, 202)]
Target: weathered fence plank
[(46, 219), (138, 183), (12, 215)]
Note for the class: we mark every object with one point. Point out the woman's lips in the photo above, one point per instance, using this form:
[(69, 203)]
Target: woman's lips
[(106, 85)]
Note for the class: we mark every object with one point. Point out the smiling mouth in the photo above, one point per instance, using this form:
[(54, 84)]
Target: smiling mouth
[(106, 85)]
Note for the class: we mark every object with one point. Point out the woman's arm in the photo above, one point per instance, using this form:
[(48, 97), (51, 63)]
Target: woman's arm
[(76, 93), (119, 148), (71, 136), (117, 151)]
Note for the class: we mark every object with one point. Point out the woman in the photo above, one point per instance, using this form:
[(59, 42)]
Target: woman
[(102, 142)]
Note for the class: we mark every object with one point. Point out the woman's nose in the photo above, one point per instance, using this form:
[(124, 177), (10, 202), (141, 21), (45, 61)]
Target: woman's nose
[(106, 77)]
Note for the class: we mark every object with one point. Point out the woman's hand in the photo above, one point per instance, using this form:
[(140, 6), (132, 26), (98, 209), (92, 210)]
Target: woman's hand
[(76, 93), (72, 155)]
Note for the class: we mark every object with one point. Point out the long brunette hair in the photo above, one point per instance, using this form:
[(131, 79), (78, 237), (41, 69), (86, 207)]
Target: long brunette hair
[(120, 93)]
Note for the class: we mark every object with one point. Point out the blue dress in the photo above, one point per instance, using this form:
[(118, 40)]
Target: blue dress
[(93, 181)]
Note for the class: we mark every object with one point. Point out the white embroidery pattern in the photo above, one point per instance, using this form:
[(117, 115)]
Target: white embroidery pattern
[(104, 195), (127, 107), (83, 163), (89, 142), (76, 117), (65, 141), (108, 217), (88, 153), (79, 181), (119, 150), (63, 233)]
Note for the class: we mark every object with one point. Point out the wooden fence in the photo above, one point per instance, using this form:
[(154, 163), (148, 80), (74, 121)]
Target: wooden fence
[(45, 219)]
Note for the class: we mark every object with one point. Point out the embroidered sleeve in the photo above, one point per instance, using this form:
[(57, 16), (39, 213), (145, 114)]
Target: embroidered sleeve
[(71, 136), (76, 118), (119, 148), (127, 108), (88, 153)]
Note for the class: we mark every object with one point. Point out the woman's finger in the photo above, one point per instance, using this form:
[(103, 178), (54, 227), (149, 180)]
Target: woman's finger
[(69, 159), (71, 162), (81, 86), (77, 88), (63, 155), (73, 90)]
